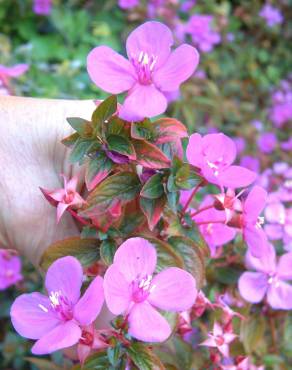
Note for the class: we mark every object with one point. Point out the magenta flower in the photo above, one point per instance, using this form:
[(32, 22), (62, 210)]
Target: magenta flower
[(55, 320), (151, 72), (271, 15), (269, 279), (12, 72), (250, 163), (219, 339), (10, 269), (251, 223), (128, 4), (214, 155), (200, 28), (131, 289), (42, 7), (65, 197), (214, 232), (267, 142)]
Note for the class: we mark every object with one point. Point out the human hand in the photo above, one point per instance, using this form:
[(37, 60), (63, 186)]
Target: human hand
[(32, 156)]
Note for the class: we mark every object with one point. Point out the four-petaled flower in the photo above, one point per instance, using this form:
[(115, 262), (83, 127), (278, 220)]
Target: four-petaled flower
[(219, 339), (131, 289), (269, 279), (214, 155), (150, 74), (56, 321), (65, 197)]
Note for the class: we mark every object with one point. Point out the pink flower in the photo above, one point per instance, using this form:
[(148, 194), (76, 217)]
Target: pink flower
[(271, 14), (128, 4), (131, 289), (10, 269), (65, 197), (214, 155), (269, 279), (151, 72), (200, 28), (55, 320), (219, 339), (215, 233), (6, 73), (251, 223), (42, 7)]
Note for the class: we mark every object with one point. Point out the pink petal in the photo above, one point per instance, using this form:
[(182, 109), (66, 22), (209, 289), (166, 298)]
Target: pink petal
[(65, 275), (253, 286), (63, 336), (71, 185), (255, 203), (229, 337), (217, 329), (180, 65), (88, 307), (210, 342), (236, 177), (31, 315), (174, 290), (14, 71), (136, 257), (256, 240), (145, 39), (146, 324), (61, 208), (280, 296), (219, 147), (194, 150), (265, 263), (224, 349), (83, 352), (116, 290), (143, 101), (109, 70), (285, 266), (57, 195)]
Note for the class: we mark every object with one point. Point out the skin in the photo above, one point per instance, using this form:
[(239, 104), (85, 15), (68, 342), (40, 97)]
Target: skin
[(31, 155)]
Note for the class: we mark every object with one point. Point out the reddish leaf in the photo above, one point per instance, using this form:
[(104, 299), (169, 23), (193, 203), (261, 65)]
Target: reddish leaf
[(149, 156), (169, 129), (152, 209)]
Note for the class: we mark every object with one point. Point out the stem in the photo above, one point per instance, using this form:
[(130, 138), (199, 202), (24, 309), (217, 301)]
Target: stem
[(191, 197), (210, 222), (80, 219), (274, 348), (201, 210)]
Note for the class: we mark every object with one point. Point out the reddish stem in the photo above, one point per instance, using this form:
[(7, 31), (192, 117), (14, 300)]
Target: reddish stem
[(80, 219), (191, 197), (201, 210), (210, 222)]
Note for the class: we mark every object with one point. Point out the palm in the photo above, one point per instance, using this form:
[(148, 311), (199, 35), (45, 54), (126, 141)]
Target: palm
[(31, 156)]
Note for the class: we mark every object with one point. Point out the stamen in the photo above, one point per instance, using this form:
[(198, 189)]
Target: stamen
[(43, 308)]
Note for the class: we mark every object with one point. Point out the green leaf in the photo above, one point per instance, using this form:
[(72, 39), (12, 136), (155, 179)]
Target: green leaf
[(186, 177), (81, 148), (143, 357), (88, 232), (43, 364), (122, 186), (166, 255), (97, 169), (122, 145), (183, 352), (192, 257), (107, 251), (85, 250), (82, 126), (252, 332), (113, 354), (152, 209), (143, 130), (150, 156), (69, 141), (104, 111), (153, 188), (97, 361)]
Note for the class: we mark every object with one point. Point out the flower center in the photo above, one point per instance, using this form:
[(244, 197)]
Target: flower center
[(219, 339), (216, 165), (60, 305), (141, 288), (144, 66), (260, 222), (69, 196), (273, 279), (86, 338)]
